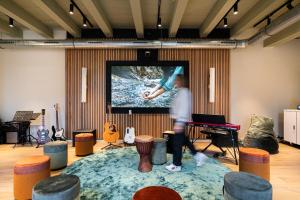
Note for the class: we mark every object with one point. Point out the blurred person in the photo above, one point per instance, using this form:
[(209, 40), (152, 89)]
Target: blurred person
[(181, 114)]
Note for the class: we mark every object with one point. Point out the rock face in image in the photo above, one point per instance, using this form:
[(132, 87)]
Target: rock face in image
[(129, 83)]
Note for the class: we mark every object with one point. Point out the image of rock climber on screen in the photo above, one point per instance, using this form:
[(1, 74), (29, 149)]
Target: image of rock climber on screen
[(165, 84)]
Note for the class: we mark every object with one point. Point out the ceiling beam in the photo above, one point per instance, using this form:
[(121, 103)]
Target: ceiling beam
[(256, 13), (23, 17), (286, 35), (215, 15), (180, 7), (14, 32), (136, 11), (95, 10), (60, 16)]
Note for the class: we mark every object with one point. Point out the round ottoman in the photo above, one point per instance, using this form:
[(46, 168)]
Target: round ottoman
[(255, 161), (159, 151), (28, 172), (58, 153), (245, 186), (144, 145), (156, 193), (65, 187), (84, 144)]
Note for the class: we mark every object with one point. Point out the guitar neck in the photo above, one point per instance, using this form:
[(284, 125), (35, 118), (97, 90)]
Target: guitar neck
[(57, 123)]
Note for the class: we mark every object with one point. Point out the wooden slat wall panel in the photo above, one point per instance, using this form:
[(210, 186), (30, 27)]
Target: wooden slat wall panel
[(91, 114)]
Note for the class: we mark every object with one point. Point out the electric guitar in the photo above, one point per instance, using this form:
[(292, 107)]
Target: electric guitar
[(129, 132), (58, 134), (110, 134), (43, 133)]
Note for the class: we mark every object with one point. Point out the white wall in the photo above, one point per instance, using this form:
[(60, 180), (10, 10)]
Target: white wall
[(32, 79), (264, 81)]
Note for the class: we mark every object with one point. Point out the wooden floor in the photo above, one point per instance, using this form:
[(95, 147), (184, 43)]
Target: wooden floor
[(285, 168)]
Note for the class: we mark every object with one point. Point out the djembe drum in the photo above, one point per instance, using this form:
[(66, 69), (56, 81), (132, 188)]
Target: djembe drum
[(144, 145)]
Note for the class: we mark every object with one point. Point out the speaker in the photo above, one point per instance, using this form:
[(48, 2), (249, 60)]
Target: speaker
[(212, 77), (83, 84), (147, 55)]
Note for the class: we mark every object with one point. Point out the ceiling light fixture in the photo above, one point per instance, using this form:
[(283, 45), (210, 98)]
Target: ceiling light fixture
[(71, 11), (235, 8), (84, 22), (11, 22), (159, 23), (225, 22), (268, 21), (289, 5)]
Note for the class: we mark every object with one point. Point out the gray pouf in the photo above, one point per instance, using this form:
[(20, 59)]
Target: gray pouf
[(245, 186), (159, 151), (64, 187), (58, 153)]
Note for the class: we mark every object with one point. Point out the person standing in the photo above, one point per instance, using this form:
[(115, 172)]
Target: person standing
[(181, 113)]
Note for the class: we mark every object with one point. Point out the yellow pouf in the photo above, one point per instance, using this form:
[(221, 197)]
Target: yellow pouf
[(255, 161), (28, 172), (84, 144)]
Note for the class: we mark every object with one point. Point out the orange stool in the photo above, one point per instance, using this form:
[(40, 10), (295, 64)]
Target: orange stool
[(155, 193), (28, 172), (255, 161), (84, 144)]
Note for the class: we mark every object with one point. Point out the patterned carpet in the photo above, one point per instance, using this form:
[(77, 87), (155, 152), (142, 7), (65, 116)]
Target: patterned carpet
[(113, 175)]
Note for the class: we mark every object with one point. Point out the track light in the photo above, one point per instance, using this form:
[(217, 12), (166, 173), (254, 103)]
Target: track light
[(71, 11), (11, 22), (289, 5), (268, 21), (225, 22), (84, 22), (159, 23), (235, 9)]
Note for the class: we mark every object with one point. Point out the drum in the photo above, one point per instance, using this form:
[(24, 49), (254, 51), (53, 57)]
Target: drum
[(144, 145)]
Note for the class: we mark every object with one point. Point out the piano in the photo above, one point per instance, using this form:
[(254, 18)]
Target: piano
[(222, 134)]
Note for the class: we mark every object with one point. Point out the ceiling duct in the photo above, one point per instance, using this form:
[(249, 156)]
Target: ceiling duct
[(104, 44)]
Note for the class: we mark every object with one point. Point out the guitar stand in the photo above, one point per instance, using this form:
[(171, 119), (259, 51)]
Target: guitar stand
[(111, 145)]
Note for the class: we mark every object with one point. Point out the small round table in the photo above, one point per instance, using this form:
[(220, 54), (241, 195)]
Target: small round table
[(156, 193)]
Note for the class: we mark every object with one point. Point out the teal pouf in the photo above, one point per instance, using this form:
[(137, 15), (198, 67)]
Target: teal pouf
[(159, 151), (245, 186), (58, 153), (64, 187)]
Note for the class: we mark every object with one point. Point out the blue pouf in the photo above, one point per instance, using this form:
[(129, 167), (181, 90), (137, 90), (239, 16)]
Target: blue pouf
[(245, 186), (159, 151), (64, 187), (58, 153)]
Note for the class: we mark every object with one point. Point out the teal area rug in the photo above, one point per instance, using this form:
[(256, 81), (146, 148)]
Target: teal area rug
[(113, 175)]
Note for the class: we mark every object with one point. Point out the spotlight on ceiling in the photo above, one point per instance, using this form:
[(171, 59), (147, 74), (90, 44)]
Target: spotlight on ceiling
[(235, 8), (268, 21), (159, 23), (71, 11), (84, 22), (11, 22), (225, 22), (289, 5)]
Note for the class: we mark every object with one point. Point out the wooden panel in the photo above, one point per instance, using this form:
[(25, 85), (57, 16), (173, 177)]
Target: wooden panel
[(91, 114)]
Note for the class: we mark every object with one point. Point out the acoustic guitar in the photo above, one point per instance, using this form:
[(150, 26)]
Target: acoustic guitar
[(110, 135)]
